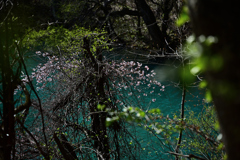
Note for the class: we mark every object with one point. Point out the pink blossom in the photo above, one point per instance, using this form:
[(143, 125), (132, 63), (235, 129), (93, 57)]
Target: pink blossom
[(147, 68), (138, 83), (139, 64), (49, 79), (38, 53), (42, 68)]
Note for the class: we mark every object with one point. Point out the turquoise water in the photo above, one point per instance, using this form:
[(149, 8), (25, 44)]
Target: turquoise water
[(169, 102)]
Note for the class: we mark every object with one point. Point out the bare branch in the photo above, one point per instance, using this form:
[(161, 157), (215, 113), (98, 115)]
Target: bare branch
[(34, 139), (27, 103), (65, 148), (187, 156)]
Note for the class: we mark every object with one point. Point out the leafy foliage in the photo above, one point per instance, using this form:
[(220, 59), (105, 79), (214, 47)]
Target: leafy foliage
[(69, 41), (198, 46), (201, 134)]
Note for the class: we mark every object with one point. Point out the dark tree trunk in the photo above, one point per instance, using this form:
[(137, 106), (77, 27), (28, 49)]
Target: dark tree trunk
[(7, 134), (150, 21), (168, 6), (99, 128), (220, 19)]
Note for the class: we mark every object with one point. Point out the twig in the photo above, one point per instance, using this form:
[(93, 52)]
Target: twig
[(182, 118), (187, 156), (32, 87), (34, 139)]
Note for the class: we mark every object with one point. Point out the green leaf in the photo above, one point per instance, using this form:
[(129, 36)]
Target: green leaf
[(195, 70), (100, 107), (141, 114), (155, 111), (208, 96), (217, 126), (220, 146), (203, 84), (184, 17)]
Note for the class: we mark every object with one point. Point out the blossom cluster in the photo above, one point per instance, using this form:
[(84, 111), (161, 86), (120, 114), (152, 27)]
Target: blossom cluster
[(125, 78), (133, 77), (53, 69)]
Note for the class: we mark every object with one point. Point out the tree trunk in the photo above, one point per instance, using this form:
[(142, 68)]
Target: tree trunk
[(150, 21), (220, 19), (7, 134), (99, 128), (168, 6)]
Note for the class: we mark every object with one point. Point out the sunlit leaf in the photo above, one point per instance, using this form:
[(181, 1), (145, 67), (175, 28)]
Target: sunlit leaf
[(184, 17), (100, 107), (195, 70), (208, 96), (203, 84)]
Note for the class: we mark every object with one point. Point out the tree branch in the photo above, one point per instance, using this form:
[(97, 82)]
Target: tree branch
[(187, 156), (63, 149), (32, 87), (34, 139), (182, 119), (27, 103)]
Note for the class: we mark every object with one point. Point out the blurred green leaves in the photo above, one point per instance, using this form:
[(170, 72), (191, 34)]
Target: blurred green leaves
[(199, 51), (184, 17), (208, 96), (203, 84)]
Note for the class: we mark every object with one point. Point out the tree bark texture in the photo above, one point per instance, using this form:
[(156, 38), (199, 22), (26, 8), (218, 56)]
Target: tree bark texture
[(99, 127), (220, 19), (168, 6), (150, 21), (7, 133)]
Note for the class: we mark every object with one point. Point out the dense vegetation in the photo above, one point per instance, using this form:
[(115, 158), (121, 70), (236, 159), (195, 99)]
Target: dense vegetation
[(90, 94)]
